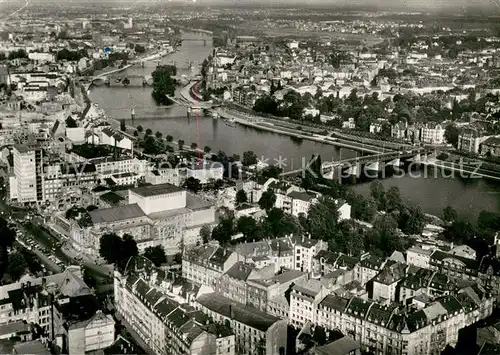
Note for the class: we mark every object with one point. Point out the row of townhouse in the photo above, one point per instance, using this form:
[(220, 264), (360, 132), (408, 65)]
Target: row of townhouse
[(165, 324), (408, 330), (205, 264)]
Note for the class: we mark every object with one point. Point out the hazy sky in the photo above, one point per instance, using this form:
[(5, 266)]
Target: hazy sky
[(395, 5)]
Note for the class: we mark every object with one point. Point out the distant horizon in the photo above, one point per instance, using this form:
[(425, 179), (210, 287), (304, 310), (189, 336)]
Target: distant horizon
[(384, 5)]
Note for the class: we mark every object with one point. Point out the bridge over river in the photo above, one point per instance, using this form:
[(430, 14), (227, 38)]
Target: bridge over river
[(375, 162)]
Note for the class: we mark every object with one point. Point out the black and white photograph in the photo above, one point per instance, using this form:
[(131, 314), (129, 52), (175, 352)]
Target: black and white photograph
[(250, 177)]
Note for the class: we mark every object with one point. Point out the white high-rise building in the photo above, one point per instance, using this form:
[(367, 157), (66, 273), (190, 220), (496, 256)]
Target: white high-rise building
[(27, 170), (130, 22)]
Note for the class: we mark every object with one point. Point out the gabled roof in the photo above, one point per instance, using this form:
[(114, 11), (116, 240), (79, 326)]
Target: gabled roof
[(244, 314)]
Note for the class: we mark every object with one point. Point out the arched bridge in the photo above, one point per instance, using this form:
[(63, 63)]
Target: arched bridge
[(134, 80), (372, 162)]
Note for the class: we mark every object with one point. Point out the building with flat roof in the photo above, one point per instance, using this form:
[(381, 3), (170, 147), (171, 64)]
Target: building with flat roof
[(155, 215)]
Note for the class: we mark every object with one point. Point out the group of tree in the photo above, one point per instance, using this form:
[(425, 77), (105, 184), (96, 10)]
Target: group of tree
[(367, 109), (479, 236), (156, 254), (139, 49), (117, 250), (70, 55), (410, 219), (8, 237), (19, 54), (276, 224), (163, 84)]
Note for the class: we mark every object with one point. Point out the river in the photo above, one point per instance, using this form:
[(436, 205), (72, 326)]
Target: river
[(433, 193)]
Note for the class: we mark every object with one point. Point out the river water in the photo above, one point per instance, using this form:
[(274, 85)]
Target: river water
[(433, 192)]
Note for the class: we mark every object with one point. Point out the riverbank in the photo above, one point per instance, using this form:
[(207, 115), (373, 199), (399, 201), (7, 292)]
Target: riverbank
[(254, 123)]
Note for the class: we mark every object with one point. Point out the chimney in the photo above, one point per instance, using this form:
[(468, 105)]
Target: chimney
[(231, 312)]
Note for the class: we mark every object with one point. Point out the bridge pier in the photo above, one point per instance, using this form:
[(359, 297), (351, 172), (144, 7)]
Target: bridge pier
[(394, 163)]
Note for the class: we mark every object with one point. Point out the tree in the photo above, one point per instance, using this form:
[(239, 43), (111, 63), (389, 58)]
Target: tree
[(412, 220), (163, 84), (459, 232), (192, 184), (449, 214), (451, 134), (156, 254), (266, 104), (136, 134), (180, 144), (71, 123), (323, 218), (363, 208), (225, 229), (129, 250), (158, 134), (241, 197), (205, 233), (393, 199), (123, 126), (110, 247), (139, 49), (17, 266), (249, 158), (384, 235), (488, 220), (279, 224), (194, 146), (170, 138), (140, 129), (378, 193), (247, 226), (267, 200), (149, 132), (207, 149), (319, 336)]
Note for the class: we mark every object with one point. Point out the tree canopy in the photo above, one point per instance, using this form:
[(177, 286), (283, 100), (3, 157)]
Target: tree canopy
[(156, 254), (116, 250), (163, 84)]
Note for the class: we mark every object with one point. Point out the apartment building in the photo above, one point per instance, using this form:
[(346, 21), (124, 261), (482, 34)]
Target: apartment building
[(305, 249), (164, 324), (106, 167), (233, 283), (432, 133), (204, 265), (97, 332), (454, 265), (419, 257), (369, 267), (256, 332), (385, 284), (305, 296), (326, 262), (266, 293), (50, 303), (28, 170)]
